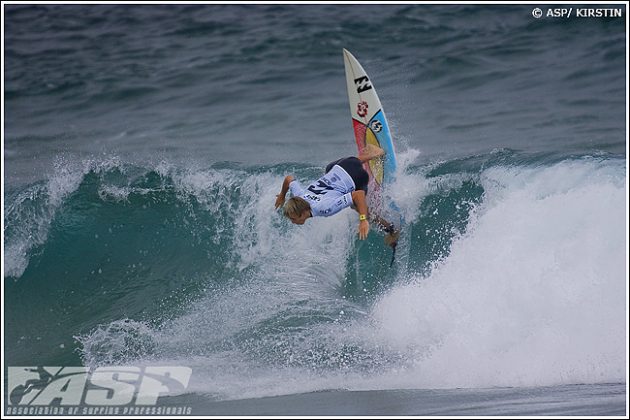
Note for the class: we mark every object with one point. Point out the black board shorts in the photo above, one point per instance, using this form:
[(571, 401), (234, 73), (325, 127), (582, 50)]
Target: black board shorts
[(353, 166)]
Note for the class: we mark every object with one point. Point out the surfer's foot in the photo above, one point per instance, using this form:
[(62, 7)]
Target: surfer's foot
[(370, 152), (391, 239), (392, 235)]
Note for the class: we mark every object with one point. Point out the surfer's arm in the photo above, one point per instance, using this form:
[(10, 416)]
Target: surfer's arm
[(285, 187), (384, 224), (360, 204)]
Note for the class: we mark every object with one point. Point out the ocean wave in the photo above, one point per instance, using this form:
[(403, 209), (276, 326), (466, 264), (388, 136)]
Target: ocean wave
[(513, 274)]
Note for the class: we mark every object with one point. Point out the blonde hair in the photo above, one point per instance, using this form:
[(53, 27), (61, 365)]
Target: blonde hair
[(295, 207)]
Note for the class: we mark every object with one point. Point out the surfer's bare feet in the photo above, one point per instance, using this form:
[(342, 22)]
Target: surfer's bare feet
[(370, 152), (391, 239)]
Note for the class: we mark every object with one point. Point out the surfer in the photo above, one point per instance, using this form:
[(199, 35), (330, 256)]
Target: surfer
[(344, 184)]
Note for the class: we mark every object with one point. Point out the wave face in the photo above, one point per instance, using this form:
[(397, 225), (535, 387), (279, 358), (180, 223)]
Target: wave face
[(511, 273)]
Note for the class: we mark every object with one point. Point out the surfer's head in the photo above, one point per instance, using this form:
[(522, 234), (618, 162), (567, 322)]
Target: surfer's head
[(298, 210)]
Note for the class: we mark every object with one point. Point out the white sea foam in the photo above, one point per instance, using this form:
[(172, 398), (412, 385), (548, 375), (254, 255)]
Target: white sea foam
[(532, 294)]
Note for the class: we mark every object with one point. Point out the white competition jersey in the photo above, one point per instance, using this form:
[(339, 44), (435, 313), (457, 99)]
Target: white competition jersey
[(329, 194)]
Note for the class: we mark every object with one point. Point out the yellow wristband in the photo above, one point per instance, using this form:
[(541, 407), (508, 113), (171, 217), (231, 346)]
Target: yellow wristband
[(362, 217)]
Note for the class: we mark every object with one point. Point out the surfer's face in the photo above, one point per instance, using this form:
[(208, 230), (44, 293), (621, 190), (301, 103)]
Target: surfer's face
[(299, 220)]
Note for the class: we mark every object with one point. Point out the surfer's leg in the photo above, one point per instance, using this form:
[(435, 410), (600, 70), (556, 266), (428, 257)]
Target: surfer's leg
[(370, 152)]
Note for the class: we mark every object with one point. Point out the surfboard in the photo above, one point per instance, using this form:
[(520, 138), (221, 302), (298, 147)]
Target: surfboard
[(370, 127)]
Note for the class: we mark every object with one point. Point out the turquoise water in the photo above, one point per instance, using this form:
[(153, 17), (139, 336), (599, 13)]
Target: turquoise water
[(144, 147)]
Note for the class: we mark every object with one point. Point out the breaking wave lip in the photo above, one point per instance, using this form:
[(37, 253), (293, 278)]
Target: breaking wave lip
[(530, 294), (29, 212), (32, 210)]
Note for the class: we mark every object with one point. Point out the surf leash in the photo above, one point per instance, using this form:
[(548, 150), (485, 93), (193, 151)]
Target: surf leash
[(393, 254), (391, 230)]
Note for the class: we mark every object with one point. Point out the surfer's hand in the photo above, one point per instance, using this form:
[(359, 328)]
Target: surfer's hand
[(279, 201), (364, 228)]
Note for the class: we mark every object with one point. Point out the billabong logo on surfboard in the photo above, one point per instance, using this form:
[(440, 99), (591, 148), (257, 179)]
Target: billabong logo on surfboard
[(363, 84)]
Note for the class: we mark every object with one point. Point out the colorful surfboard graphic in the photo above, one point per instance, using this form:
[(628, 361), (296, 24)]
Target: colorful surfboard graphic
[(370, 127)]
